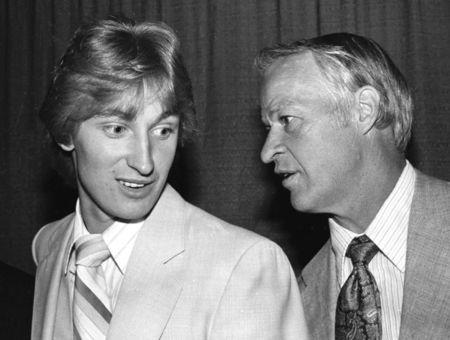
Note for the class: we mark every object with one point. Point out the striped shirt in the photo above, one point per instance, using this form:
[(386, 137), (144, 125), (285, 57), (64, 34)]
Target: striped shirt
[(388, 231), (120, 238)]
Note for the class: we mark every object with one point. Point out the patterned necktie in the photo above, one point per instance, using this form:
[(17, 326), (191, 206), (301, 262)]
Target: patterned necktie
[(358, 312), (91, 304)]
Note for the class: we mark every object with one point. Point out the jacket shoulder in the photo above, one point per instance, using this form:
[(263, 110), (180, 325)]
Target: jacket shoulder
[(434, 181), (208, 228), (432, 185), (432, 196), (44, 240)]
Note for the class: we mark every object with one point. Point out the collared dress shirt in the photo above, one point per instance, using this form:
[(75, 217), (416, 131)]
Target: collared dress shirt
[(388, 230), (120, 238)]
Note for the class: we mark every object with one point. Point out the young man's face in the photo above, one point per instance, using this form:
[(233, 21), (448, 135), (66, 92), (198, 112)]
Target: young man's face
[(122, 165)]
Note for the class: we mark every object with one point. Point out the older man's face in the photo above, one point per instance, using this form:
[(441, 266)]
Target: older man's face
[(318, 160)]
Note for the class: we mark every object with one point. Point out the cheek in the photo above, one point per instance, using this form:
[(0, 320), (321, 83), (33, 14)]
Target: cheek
[(94, 162), (324, 151), (343, 156), (165, 154), (311, 149)]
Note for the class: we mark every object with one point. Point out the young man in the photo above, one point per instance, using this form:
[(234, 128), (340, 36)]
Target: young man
[(136, 261), (339, 116)]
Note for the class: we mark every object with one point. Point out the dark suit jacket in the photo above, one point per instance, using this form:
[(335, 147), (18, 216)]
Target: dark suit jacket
[(16, 302), (426, 297)]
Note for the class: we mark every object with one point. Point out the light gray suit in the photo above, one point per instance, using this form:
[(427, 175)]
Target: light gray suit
[(426, 299), (190, 276)]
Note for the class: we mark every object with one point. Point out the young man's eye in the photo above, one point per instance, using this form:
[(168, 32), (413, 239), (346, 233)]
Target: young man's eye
[(114, 130), (163, 132)]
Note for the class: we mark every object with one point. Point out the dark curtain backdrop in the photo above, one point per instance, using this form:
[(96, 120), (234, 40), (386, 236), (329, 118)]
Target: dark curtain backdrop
[(221, 171)]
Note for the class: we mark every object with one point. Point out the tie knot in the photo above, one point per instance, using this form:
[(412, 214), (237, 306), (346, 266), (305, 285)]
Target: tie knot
[(361, 250), (91, 250)]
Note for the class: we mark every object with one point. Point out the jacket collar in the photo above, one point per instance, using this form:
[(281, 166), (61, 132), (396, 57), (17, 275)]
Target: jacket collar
[(319, 293), (151, 285)]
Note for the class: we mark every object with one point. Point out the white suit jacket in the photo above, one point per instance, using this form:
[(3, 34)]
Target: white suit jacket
[(190, 276)]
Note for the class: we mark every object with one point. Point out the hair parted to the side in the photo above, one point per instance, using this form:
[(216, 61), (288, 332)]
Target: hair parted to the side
[(350, 62), (117, 64)]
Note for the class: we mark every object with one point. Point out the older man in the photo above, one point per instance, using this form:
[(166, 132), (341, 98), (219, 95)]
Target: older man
[(338, 114)]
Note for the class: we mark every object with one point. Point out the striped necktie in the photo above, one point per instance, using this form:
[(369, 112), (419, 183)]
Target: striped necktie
[(91, 304), (358, 312)]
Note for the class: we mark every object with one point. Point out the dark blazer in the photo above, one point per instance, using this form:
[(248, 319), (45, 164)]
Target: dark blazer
[(426, 296), (16, 301)]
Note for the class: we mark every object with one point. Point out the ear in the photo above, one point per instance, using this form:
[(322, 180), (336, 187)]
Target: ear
[(368, 102)]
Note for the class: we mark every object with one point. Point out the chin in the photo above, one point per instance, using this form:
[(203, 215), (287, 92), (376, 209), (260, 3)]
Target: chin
[(302, 204), (132, 215), (297, 205)]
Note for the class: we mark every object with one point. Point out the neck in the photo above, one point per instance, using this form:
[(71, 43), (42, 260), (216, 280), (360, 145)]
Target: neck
[(95, 227), (94, 223), (375, 186)]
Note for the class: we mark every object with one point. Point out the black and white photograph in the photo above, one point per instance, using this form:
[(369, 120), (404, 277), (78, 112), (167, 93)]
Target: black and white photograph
[(225, 169)]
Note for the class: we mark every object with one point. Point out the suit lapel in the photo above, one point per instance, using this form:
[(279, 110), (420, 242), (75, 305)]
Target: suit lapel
[(427, 266), (152, 282), (319, 291), (51, 306)]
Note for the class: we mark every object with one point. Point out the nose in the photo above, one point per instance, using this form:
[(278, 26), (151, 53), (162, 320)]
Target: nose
[(140, 156), (272, 147)]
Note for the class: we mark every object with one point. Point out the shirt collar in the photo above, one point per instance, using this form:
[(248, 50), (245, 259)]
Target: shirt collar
[(119, 238), (389, 228)]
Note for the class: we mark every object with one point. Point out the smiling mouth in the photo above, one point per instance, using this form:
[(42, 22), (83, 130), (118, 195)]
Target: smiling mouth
[(132, 185)]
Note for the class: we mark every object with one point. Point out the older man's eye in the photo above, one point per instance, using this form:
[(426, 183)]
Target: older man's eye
[(285, 120)]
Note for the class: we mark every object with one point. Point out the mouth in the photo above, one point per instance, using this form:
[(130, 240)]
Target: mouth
[(285, 175), (287, 178), (133, 185)]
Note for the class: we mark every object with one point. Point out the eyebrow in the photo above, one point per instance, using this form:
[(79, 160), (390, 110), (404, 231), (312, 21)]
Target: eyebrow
[(166, 114), (124, 115), (269, 112), (274, 108), (130, 115), (163, 115)]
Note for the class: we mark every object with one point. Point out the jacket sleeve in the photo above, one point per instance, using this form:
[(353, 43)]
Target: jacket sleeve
[(261, 299)]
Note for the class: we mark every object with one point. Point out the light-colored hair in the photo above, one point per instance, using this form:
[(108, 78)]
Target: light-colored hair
[(349, 62), (116, 65), (108, 59)]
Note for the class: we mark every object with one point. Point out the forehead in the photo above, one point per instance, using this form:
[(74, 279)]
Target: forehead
[(136, 100), (293, 78)]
